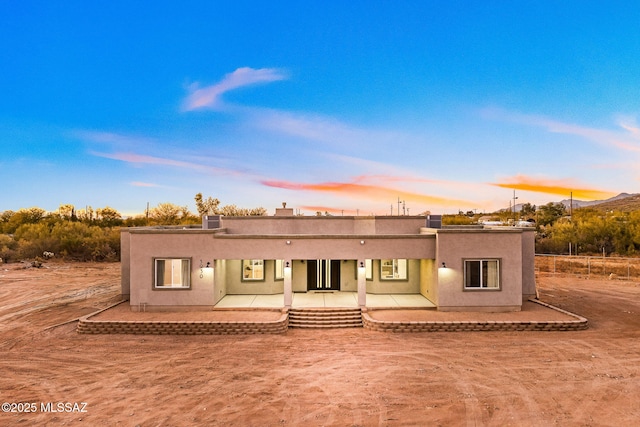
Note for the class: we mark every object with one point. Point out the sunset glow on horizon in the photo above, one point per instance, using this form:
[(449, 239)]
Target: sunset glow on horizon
[(440, 106)]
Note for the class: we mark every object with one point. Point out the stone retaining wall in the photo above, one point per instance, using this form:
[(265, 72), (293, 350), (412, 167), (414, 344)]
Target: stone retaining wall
[(141, 327), (88, 326), (576, 324)]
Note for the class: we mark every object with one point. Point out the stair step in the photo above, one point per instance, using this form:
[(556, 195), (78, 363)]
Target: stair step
[(353, 320), (317, 317), (313, 316), (325, 326)]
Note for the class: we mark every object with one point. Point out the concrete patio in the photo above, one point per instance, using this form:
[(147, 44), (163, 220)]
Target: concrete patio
[(325, 299)]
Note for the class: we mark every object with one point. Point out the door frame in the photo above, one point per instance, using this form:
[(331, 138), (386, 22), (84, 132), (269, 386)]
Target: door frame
[(323, 275)]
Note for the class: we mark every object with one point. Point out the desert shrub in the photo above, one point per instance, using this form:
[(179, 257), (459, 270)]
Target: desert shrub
[(34, 239), (84, 242), (8, 248), (69, 240)]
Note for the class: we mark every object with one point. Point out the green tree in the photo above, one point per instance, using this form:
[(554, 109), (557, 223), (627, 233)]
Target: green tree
[(528, 211), (108, 217), (22, 216), (550, 213), (168, 214), (208, 206), (67, 212)]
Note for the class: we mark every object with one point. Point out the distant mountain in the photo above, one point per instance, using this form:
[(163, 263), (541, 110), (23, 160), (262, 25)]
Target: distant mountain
[(624, 202), (613, 200)]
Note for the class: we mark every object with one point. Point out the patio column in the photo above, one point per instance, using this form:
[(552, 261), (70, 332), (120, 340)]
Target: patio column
[(362, 283), (288, 288)]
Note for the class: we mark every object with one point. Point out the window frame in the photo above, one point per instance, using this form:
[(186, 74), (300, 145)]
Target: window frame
[(482, 274), (251, 268), (186, 278), (278, 269), (395, 267)]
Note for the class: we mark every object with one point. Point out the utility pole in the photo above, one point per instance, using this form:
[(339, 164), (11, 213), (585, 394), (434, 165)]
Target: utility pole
[(514, 206), (571, 205)]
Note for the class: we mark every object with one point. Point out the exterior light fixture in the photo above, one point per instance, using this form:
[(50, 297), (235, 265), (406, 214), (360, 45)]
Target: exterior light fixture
[(444, 265), (287, 265), (362, 242), (361, 264), (202, 267), (288, 242)]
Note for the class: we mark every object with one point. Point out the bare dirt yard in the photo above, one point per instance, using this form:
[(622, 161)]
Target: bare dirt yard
[(351, 377)]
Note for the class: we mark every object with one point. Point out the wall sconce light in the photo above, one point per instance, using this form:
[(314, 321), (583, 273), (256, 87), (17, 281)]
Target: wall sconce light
[(287, 264), (361, 264), (288, 242), (202, 267), (444, 265), (362, 242)]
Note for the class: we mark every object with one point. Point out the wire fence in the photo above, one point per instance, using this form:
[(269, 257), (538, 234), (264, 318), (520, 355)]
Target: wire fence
[(590, 266)]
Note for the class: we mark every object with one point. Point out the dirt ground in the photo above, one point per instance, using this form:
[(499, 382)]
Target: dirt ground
[(351, 377)]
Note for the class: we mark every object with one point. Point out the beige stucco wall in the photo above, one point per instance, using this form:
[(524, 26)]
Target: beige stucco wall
[(409, 286), (299, 275), (429, 280), (219, 280), (343, 225), (320, 247), (268, 286), (456, 245), (146, 247), (125, 266), (376, 238), (528, 264)]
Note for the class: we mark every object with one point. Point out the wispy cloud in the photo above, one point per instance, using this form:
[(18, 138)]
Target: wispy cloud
[(628, 140), (368, 191), (144, 184), (555, 187), (141, 159), (319, 128), (211, 96), (114, 140)]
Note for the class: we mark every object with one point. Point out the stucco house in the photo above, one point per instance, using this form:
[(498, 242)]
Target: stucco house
[(457, 268)]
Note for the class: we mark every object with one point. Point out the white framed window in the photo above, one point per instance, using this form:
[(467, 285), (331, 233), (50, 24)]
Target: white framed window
[(481, 274), (393, 269), (368, 267), (279, 269), (172, 273), (252, 270)]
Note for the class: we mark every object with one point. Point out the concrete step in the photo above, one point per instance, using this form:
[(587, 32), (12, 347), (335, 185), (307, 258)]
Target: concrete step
[(325, 317)]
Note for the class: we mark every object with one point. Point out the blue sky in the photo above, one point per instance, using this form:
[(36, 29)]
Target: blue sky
[(333, 106)]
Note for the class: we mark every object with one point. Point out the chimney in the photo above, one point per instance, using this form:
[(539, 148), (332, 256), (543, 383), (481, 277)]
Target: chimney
[(284, 211)]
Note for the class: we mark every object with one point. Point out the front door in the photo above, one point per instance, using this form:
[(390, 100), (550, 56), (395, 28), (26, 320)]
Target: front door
[(323, 275)]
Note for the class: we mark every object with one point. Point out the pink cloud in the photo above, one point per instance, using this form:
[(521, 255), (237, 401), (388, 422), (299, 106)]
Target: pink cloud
[(368, 191), (210, 96), (556, 187)]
